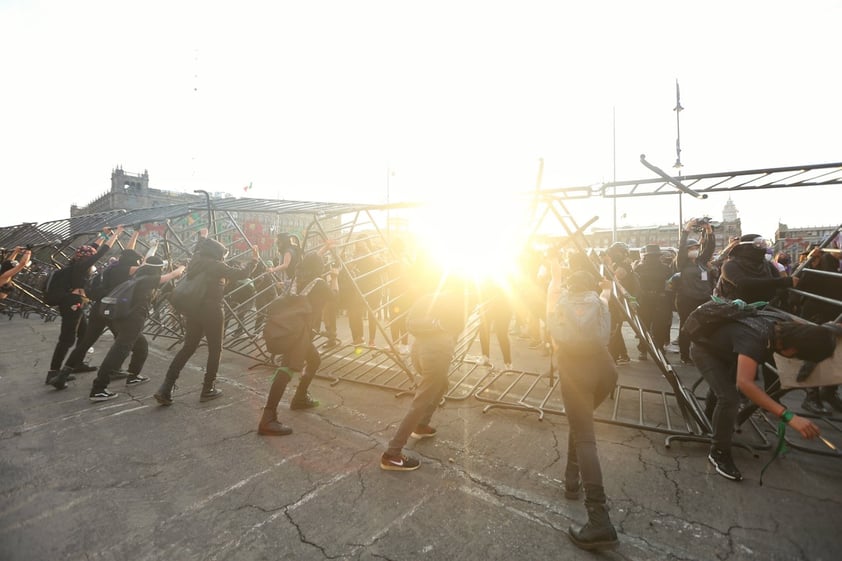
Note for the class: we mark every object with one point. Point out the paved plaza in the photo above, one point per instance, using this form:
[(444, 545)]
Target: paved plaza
[(129, 480)]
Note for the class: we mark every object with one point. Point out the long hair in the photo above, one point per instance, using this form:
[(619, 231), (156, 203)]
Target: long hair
[(813, 343)]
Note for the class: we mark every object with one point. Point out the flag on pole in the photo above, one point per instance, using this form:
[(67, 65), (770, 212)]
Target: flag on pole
[(247, 188)]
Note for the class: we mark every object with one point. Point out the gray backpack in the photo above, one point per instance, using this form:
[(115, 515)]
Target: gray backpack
[(580, 321)]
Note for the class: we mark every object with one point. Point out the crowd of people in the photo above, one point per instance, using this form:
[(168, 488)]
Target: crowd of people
[(658, 285)]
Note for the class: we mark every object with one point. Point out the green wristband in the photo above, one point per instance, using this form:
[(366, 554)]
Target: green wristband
[(787, 416)]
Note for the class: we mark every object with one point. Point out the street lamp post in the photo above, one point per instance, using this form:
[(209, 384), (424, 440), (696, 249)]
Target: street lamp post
[(211, 223), (678, 165)]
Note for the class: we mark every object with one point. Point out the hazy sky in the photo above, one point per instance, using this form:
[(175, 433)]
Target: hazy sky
[(315, 100)]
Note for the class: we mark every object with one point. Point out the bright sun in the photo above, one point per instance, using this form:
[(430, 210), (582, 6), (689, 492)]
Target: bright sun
[(478, 239)]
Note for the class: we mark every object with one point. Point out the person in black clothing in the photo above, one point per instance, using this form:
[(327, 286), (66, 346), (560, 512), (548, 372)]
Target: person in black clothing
[(114, 275), (365, 265), (436, 322), (208, 323), (617, 258), (71, 307), (728, 360), (746, 275), (128, 331), (655, 306), (695, 284), (302, 351), (289, 249)]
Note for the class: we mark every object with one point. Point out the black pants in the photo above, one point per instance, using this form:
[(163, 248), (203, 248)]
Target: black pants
[(616, 344), (684, 305), (128, 339), (586, 380), (95, 328), (655, 315), (498, 315), (357, 311), (207, 323), (73, 325)]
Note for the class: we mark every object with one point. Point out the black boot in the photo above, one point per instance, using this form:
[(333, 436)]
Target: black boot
[(164, 393), (209, 389), (302, 399), (597, 532), (59, 381), (53, 375)]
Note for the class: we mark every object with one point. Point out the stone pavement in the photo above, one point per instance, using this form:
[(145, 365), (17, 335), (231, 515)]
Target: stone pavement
[(129, 480)]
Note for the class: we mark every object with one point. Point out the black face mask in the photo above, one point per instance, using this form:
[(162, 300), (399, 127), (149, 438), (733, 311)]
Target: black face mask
[(750, 253)]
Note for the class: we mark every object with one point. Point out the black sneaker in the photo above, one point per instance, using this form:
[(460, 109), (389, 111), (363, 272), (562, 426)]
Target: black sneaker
[(687, 360), (102, 395), (398, 463), (82, 368), (424, 432), (136, 380), (724, 465), (209, 394)]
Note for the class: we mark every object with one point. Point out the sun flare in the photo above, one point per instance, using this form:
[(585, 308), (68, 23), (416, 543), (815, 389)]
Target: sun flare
[(478, 239)]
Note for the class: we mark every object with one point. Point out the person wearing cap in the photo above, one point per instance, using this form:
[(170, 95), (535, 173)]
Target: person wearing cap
[(695, 281), (113, 275), (655, 306), (129, 330), (71, 307)]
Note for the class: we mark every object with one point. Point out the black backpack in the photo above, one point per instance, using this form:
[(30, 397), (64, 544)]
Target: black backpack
[(118, 304), (287, 317), (57, 286), (189, 294), (713, 314)]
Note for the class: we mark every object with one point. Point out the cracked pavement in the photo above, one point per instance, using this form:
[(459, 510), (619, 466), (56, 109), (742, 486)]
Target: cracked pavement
[(129, 480)]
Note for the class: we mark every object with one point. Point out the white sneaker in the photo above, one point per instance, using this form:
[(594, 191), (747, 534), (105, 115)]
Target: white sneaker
[(484, 361), (507, 366)]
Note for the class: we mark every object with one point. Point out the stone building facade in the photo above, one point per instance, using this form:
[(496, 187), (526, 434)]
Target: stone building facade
[(667, 235)]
